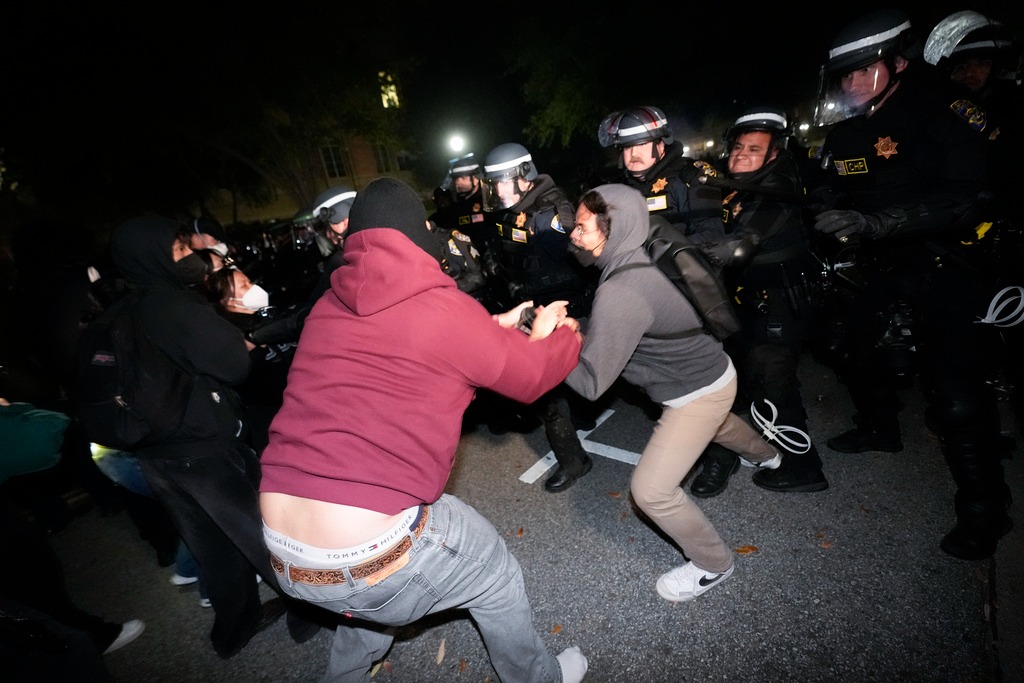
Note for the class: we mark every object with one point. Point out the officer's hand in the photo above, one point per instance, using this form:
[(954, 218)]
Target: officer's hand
[(846, 224), (690, 173)]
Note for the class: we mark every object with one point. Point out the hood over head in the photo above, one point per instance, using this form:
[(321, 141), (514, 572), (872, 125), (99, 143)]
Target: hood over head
[(630, 225), (142, 249)]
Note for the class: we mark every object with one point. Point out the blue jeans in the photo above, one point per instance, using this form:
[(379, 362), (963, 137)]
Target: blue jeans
[(458, 562)]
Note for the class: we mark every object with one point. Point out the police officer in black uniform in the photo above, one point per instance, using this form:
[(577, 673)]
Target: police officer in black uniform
[(655, 164), (472, 249), (466, 212), (907, 168), (768, 264), (534, 218)]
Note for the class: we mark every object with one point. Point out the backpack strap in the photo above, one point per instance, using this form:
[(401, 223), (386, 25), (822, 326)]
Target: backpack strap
[(685, 334)]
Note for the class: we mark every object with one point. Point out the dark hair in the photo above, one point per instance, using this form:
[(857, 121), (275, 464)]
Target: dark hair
[(597, 205), (220, 286)]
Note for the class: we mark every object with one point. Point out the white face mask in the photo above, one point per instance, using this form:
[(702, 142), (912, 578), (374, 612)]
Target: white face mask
[(255, 299), (220, 248)]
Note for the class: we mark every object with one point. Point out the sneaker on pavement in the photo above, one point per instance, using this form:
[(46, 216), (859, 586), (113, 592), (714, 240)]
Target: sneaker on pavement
[(689, 581), (573, 664), (769, 464), (179, 580), (130, 630)]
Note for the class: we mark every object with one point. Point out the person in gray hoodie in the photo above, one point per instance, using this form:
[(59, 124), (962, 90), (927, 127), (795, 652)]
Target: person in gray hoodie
[(643, 329)]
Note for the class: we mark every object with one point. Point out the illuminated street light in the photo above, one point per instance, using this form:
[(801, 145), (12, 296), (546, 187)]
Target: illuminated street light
[(456, 143)]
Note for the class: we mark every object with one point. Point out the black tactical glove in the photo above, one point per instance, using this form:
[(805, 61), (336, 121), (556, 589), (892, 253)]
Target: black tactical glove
[(848, 224), (689, 173)]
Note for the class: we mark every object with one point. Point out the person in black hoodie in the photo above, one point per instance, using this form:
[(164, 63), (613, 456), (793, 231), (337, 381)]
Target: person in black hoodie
[(205, 474)]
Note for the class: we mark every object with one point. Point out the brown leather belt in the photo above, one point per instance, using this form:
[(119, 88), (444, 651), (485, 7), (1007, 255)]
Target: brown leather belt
[(333, 577)]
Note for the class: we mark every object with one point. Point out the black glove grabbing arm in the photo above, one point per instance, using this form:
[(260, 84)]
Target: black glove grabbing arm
[(845, 225)]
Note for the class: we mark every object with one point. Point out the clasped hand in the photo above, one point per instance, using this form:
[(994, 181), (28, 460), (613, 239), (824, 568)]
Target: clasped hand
[(546, 318), (844, 224)]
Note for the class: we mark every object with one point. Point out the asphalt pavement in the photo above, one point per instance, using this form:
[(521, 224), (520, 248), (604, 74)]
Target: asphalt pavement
[(846, 584)]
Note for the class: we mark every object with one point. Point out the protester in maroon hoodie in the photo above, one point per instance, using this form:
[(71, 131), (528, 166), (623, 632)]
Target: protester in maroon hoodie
[(352, 492)]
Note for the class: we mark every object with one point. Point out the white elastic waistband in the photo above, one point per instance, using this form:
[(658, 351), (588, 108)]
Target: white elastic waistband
[(321, 558)]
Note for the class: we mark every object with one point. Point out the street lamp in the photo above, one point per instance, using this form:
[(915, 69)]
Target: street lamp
[(456, 143)]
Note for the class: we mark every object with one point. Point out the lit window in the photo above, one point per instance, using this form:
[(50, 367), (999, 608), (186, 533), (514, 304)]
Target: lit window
[(388, 90)]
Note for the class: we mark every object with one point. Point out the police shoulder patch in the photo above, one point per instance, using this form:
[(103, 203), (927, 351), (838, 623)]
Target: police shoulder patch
[(460, 236), (971, 113), (556, 224)]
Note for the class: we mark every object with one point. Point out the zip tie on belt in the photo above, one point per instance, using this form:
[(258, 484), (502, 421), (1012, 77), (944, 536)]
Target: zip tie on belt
[(996, 308)]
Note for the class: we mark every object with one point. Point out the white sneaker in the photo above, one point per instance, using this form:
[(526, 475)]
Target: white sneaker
[(689, 581), (179, 580), (130, 630), (770, 464), (205, 602), (573, 664)]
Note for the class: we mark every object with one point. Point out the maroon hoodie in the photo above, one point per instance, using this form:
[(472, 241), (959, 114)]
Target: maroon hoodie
[(388, 361)]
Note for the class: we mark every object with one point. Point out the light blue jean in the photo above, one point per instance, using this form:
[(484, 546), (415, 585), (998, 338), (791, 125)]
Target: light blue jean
[(458, 562)]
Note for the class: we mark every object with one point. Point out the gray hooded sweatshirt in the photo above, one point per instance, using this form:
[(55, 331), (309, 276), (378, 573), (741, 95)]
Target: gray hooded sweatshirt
[(633, 304)]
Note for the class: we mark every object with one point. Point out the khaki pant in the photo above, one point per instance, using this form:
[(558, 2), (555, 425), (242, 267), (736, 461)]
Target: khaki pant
[(679, 438)]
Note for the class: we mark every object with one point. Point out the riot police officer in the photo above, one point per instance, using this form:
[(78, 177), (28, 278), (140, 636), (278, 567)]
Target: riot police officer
[(534, 217), (466, 212), (330, 215), (472, 250), (654, 163), (906, 166), (767, 262)]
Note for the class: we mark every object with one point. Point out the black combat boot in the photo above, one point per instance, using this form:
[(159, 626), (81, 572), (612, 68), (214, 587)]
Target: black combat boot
[(573, 461), (877, 435), (719, 464), (982, 501), (799, 473)]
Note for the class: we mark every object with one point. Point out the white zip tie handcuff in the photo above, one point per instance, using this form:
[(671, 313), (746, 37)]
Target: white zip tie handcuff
[(996, 308), (777, 433)]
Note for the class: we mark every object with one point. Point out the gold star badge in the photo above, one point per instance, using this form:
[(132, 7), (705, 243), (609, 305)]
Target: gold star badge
[(521, 219), (659, 185), (886, 147)]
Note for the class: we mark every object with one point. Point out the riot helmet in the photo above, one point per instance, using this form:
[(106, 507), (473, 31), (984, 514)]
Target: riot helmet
[(878, 36), (332, 205), (509, 172), (969, 35), (463, 175), (634, 126), (765, 119)]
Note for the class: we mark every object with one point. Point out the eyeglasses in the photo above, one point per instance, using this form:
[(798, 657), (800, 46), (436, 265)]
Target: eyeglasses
[(579, 230)]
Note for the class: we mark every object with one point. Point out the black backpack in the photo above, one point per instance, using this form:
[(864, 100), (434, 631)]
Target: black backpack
[(128, 393), (694, 274)]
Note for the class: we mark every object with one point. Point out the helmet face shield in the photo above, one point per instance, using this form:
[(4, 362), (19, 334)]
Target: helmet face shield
[(844, 95), (502, 193), (860, 60), (504, 166)]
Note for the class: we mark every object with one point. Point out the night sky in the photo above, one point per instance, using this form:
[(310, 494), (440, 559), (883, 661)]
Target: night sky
[(79, 71)]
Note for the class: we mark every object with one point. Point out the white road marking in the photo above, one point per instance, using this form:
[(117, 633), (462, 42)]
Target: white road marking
[(548, 461)]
